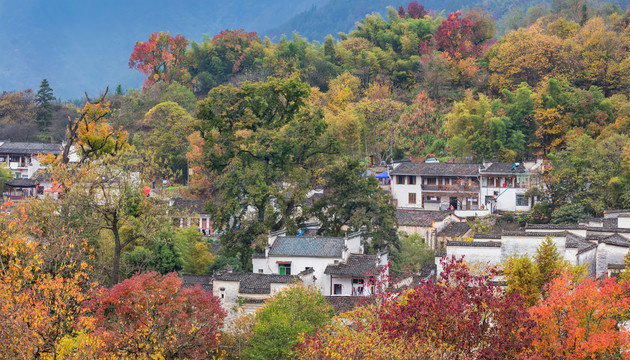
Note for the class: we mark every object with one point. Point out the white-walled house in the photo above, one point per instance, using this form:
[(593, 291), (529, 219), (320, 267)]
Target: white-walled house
[(493, 250), (503, 187), (291, 255), (21, 157), (435, 186), (248, 290), (191, 214), (240, 292), (359, 275), (425, 223), (602, 243), (469, 189)]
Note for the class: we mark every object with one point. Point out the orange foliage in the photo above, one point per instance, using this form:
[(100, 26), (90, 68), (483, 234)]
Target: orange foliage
[(580, 320), (39, 305)]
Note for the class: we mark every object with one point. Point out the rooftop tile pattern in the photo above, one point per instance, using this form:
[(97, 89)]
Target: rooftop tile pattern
[(437, 169), (356, 265), (307, 246), (454, 229), (252, 283), (423, 218), (9, 147)]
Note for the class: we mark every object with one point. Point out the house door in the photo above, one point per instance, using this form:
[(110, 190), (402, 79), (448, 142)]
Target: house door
[(453, 203), (467, 204)]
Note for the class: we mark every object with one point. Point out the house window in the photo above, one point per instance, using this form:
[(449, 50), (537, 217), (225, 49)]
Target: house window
[(520, 200), (431, 199), (357, 287), (284, 269), (400, 179), (412, 180), (412, 198), (337, 289), (260, 271)]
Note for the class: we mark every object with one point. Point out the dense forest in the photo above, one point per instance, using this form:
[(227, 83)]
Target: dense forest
[(410, 84), (254, 127)]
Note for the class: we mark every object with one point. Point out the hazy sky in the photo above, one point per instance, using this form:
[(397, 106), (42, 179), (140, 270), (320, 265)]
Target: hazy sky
[(85, 45)]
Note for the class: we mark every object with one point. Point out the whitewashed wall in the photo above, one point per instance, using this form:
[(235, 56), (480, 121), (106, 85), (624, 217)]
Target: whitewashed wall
[(299, 264), (506, 201), (609, 254), (400, 192)]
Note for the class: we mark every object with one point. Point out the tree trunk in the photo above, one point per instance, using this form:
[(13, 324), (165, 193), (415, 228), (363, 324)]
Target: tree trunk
[(117, 251)]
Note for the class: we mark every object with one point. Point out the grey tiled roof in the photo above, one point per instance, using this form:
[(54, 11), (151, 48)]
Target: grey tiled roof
[(454, 229), (474, 243), (436, 169), (9, 147), (534, 234), (608, 230), (427, 269), (487, 236), (190, 206), (252, 283), (555, 226), (356, 265), (342, 304), (616, 240), (308, 246), (576, 241), (617, 266), (504, 168), (607, 223), (204, 281), (610, 223), (423, 218), (618, 211), (22, 183)]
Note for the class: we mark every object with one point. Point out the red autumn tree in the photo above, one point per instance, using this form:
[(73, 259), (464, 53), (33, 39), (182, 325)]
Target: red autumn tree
[(232, 46), (414, 10), (163, 58), (151, 315), (462, 36), (465, 310), (581, 320), (453, 36), (463, 314)]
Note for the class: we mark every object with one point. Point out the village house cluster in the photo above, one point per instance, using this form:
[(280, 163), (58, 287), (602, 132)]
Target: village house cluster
[(470, 189), (434, 200)]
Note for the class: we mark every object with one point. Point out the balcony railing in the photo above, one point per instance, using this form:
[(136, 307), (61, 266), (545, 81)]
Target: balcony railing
[(508, 185), (451, 188)]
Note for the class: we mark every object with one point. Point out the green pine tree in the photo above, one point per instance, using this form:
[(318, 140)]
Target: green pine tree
[(44, 100), (119, 90)]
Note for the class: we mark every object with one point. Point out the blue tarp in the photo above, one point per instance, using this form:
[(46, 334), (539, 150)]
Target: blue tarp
[(383, 175)]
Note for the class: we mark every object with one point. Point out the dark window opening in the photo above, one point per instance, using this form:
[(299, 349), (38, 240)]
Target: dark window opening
[(284, 269)]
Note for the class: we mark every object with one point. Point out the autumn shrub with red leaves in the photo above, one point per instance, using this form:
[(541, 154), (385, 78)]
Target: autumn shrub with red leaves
[(464, 314), (152, 315)]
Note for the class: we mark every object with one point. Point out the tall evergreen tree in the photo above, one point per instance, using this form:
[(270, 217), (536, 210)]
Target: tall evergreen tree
[(44, 100), (119, 90)]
